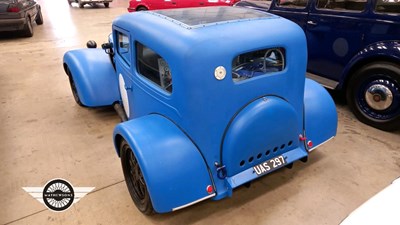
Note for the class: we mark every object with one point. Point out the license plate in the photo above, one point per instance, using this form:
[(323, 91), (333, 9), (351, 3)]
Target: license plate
[(269, 165)]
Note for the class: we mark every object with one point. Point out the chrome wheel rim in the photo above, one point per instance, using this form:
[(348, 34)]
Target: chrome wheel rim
[(379, 97)]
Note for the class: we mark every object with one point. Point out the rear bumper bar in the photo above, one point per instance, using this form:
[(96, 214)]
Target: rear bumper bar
[(12, 24)]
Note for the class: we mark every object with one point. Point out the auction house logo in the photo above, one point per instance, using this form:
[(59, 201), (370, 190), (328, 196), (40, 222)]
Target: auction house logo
[(58, 194)]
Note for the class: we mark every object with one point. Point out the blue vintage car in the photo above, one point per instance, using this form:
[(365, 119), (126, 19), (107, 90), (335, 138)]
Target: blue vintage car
[(207, 107), (353, 47)]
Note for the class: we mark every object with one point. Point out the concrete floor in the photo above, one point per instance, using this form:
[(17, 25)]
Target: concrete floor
[(45, 135)]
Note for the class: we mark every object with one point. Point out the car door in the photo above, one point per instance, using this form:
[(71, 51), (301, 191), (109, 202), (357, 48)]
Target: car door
[(123, 64), (386, 25), (335, 32), (294, 10), (187, 3), (210, 3), (166, 4)]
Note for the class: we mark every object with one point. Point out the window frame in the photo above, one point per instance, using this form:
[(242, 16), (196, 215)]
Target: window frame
[(375, 6), (163, 81), (125, 56), (290, 6), (344, 10), (247, 69)]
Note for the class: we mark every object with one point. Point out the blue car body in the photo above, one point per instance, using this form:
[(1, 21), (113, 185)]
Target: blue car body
[(211, 118), (353, 46)]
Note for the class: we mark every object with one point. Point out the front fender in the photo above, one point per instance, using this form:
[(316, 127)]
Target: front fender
[(94, 76), (320, 114), (175, 172)]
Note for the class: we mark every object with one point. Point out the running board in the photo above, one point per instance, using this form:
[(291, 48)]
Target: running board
[(328, 83)]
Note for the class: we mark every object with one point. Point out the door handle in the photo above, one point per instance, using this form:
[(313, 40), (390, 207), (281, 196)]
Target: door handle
[(310, 22), (128, 88)]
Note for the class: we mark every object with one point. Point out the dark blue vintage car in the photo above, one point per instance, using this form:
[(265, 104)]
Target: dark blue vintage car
[(207, 107), (353, 46)]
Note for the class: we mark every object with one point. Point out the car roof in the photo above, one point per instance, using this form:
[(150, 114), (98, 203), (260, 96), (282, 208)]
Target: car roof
[(205, 24), (192, 18), (218, 31), (206, 16)]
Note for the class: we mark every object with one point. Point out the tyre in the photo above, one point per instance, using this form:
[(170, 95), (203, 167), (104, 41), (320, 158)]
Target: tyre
[(373, 94), (73, 88), (134, 180), (107, 4), (39, 18), (28, 28), (81, 5), (141, 8)]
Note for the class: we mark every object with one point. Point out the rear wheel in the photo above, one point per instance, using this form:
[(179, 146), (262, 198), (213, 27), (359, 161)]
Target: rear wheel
[(28, 29), (373, 94), (141, 8), (39, 18), (73, 88), (134, 180), (107, 4)]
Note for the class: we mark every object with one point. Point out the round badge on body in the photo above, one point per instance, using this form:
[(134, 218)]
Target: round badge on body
[(220, 73)]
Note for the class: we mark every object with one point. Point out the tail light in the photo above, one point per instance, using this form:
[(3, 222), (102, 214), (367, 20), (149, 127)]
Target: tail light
[(13, 8)]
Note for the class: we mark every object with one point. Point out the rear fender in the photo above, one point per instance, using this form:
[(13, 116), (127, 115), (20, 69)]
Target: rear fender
[(175, 172), (320, 114), (94, 76)]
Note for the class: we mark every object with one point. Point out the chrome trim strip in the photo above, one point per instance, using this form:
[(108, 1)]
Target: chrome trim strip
[(194, 202), (328, 83), (311, 149)]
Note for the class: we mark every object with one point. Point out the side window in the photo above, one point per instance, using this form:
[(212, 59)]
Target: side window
[(340, 5), (153, 67), (123, 47), (257, 63), (292, 3), (388, 6)]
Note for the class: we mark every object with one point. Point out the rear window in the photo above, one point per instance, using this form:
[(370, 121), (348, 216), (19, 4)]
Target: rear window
[(388, 6), (153, 67), (342, 5), (258, 63)]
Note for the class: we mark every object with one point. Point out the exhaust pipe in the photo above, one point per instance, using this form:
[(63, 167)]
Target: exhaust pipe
[(120, 111)]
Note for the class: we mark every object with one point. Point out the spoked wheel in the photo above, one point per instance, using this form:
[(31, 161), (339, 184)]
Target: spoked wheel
[(373, 95), (134, 180), (73, 88)]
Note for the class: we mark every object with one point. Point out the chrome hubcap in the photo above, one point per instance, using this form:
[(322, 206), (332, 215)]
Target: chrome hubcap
[(379, 97)]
